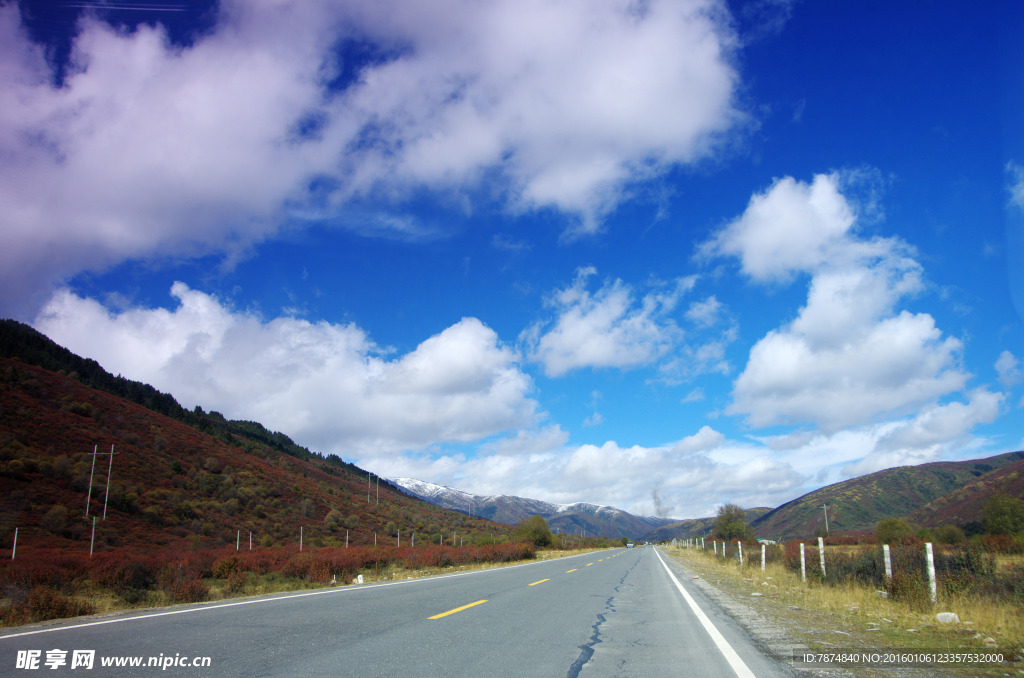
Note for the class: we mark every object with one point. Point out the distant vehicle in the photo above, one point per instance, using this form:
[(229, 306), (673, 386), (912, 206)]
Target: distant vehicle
[(629, 545)]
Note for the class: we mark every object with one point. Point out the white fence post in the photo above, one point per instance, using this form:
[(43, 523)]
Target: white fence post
[(763, 548), (803, 564), (715, 544), (740, 544), (888, 561), (821, 554), (15, 547), (929, 559)]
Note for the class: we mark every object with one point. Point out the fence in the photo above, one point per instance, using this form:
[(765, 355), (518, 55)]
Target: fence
[(910, 571)]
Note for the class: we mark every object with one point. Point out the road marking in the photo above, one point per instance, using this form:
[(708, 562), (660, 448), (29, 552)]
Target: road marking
[(208, 607), (588, 565), (723, 645), (458, 609), (572, 570), (538, 582)]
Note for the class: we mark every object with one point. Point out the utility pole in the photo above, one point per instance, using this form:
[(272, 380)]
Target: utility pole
[(109, 469), (825, 506), (88, 497)]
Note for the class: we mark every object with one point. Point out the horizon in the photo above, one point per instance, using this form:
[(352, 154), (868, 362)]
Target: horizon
[(670, 255)]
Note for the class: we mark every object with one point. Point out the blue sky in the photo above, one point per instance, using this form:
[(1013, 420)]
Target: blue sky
[(657, 255)]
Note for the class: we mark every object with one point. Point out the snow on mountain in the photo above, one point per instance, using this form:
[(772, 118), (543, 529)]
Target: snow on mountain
[(578, 518)]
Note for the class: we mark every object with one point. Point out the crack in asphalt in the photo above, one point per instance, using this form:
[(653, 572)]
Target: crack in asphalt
[(587, 649)]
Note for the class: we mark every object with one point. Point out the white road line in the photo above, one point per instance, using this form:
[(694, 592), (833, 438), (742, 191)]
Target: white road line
[(723, 645)]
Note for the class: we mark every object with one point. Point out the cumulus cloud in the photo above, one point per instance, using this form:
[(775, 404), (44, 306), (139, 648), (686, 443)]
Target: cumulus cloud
[(608, 328), (791, 227), (338, 112), (850, 356), (328, 386)]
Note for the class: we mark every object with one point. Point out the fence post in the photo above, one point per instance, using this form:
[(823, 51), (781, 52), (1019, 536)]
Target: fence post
[(763, 547), (803, 564), (715, 544), (821, 554), (238, 539), (15, 547), (929, 559), (740, 544), (888, 561), (92, 540)]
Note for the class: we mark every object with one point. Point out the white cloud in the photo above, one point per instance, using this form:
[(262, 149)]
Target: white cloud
[(692, 476), (849, 357), (705, 313), (791, 227), (1016, 185), (1010, 370), (153, 150), (328, 386), (609, 328)]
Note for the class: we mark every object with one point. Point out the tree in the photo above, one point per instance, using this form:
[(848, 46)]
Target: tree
[(731, 523), (950, 534), (1003, 514), (535, 530), (889, 530)]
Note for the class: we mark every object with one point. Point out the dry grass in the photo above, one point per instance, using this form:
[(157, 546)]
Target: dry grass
[(854, 617)]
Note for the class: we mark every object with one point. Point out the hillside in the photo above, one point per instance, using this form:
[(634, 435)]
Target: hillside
[(173, 485), (859, 503), (576, 519), (965, 504)]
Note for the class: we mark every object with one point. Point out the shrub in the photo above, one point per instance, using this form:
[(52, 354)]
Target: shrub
[(56, 519), (44, 603), (182, 584), (891, 530)]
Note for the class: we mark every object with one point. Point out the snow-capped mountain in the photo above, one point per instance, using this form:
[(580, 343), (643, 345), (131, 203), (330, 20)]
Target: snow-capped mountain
[(579, 518)]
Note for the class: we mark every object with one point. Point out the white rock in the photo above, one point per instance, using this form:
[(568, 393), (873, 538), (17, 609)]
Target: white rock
[(948, 618)]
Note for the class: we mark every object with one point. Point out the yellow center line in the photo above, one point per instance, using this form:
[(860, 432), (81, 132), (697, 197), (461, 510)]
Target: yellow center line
[(572, 570), (458, 609), (539, 582), (588, 565)]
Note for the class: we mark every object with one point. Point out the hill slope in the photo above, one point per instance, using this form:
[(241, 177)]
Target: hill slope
[(859, 503), (173, 485)]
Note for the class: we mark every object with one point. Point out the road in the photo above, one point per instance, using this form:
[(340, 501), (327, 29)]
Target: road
[(612, 613)]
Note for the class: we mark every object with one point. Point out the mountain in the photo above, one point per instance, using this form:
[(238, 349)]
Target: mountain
[(955, 493), (188, 481), (576, 519), (697, 527)]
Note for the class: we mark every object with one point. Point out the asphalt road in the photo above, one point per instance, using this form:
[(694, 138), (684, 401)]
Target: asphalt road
[(612, 613)]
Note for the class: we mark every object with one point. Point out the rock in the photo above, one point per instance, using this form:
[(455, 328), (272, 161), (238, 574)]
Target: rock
[(757, 594), (884, 594), (948, 618), (990, 641)]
